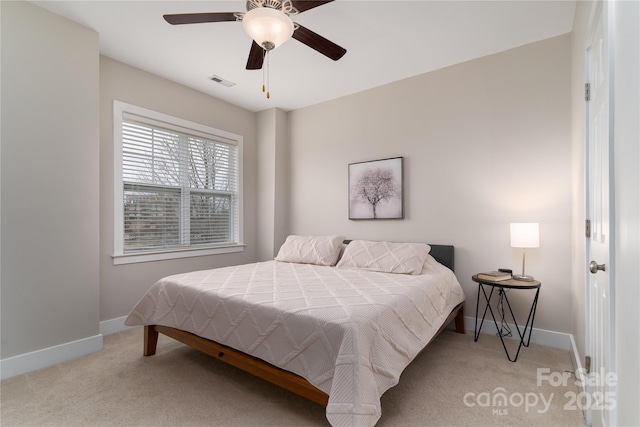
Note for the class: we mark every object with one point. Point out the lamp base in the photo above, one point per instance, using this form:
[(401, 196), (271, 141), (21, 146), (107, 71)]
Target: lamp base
[(523, 278)]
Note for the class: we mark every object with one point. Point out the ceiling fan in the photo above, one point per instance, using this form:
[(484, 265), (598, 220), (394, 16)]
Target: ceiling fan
[(268, 22)]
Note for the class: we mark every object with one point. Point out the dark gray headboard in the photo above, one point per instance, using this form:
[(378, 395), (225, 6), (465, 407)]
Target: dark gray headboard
[(444, 254)]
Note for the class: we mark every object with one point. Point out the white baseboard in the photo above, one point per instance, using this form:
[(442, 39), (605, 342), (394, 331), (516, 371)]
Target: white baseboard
[(46, 357), (39, 359), (108, 327), (538, 336), (21, 364)]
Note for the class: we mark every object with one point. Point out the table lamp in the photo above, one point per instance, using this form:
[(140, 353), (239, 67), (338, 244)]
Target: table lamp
[(524, 235)]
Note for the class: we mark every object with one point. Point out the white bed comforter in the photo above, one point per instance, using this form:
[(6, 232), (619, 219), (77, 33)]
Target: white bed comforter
[(348, 332)]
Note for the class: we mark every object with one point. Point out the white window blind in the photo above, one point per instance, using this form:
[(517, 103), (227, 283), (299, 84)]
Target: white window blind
[(180, 187)]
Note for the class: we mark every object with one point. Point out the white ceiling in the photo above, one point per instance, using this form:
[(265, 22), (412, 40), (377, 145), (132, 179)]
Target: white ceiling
[(386, 41)]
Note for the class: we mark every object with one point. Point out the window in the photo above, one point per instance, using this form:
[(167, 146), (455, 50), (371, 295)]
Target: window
[(178, 187)]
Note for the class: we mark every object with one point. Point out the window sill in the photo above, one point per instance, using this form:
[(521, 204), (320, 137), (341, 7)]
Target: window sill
[(175, 254)]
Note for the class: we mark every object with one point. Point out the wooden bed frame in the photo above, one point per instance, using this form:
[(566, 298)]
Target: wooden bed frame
[(266, 371)]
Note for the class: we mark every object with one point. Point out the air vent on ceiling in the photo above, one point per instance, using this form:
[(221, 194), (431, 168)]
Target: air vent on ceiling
[(222, 81)]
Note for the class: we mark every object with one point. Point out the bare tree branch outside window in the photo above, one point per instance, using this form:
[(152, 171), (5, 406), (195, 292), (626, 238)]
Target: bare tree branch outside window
[(376, 189), (168, 175)]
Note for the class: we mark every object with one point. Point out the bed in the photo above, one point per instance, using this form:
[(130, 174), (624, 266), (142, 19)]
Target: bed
[(333, 322)]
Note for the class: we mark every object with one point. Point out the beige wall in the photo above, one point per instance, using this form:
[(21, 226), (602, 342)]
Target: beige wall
[(282, 180), (485, 143), (266, 180), (273, 182), (50, 181), (122, 285)]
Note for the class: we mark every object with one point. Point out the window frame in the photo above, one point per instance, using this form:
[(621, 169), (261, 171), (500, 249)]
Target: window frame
[(119, 256)]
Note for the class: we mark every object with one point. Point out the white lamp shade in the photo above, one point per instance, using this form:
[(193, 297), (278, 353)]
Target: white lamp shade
[(264, 24), (525, 235)]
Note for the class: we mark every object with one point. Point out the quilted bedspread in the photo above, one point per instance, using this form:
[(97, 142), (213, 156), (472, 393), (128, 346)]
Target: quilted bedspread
[(349, 332)]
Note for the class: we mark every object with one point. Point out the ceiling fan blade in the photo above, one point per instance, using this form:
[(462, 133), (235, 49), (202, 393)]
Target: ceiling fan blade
[(256, 57), (302, 5), (197, 18), (319, 43)]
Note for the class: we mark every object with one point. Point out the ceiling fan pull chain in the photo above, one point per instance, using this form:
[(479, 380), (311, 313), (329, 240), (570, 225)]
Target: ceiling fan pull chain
[(265, 70), (268, 83), (264, 53)]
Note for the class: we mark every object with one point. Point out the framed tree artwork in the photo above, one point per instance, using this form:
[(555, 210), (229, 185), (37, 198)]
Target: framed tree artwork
[(375, 189)]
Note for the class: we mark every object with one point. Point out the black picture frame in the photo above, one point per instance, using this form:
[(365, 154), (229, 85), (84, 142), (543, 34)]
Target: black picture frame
[(376, 189)]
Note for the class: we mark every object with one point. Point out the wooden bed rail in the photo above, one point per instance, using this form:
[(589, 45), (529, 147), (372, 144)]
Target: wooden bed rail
[(247, 363), (258, 367)]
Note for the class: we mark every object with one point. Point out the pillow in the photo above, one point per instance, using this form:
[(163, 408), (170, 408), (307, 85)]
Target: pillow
[(319, 250), (385, 257)]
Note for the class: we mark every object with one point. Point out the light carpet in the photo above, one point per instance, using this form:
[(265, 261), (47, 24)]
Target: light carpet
[(454, 382)]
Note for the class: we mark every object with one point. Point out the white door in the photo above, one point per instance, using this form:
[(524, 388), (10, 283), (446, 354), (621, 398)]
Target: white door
[(600, 399)]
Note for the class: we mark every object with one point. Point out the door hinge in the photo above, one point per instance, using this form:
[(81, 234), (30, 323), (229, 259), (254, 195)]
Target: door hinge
[(587, 228), (587, 91), (587, 364)]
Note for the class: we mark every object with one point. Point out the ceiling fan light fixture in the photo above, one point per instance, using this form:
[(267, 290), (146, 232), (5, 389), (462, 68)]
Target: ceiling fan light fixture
[(268, 27)]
